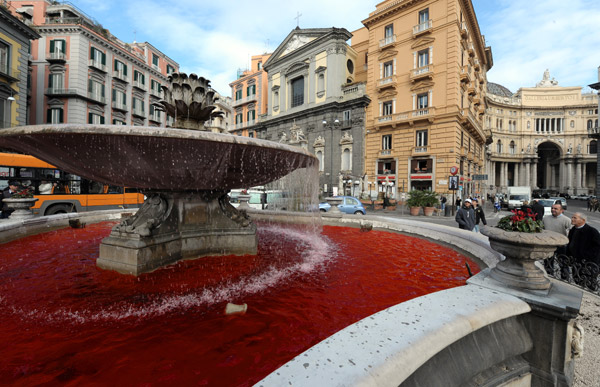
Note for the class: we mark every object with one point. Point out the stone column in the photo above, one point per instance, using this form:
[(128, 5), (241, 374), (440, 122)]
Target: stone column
[(584, 177), (517, 174), (505, 181), (527, 170), (578, 184), (534, 182), (569, 166)]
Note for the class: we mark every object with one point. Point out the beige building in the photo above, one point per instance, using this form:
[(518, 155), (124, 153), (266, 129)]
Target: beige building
[(540, 137), (425, 64)]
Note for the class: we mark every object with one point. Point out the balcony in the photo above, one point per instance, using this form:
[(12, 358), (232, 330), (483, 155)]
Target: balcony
[(471, 90), (477, 65), (420, 150), (56, 57), (60, 92), (470, 156), (155, 117), (11, 74), (242, 125), (96, 97), (422, 28), (139, 112), (119, 106), (388, 40), (97, 65), (156, 93), (386, 82), (471, 49), (120, 75), (465, 74), (594, 132), (155, 67), (410, 117), (464, 31), (385, 152), (421, 73), (139, 85), (244, 100)]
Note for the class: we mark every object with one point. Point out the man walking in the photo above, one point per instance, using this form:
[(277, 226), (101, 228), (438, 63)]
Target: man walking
[(559, 223), (584, 240), (538, 209), (479, 215), (6, 194), (465, 216)]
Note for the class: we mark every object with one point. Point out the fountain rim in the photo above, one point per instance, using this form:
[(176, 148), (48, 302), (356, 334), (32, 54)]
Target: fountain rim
[(130, 130)]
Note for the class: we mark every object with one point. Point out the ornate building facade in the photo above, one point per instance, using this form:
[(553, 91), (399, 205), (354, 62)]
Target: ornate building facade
[(315, 102), (540, 137), (426, 63)]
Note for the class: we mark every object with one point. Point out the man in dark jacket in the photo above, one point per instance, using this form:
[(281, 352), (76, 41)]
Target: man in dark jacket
[(538, 209), (479, 215), (465, 216), (6, 194), (584, 240)]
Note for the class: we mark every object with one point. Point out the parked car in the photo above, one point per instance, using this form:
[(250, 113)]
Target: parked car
[(581, 197), (349, 205), (562, 201)]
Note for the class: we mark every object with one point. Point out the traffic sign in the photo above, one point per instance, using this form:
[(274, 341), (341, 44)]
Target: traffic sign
[(453, 170)]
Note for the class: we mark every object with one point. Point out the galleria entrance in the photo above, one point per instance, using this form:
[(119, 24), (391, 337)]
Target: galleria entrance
[(549, 165)]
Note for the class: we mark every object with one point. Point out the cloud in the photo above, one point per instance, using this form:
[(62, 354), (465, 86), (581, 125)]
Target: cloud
[(552, 34)]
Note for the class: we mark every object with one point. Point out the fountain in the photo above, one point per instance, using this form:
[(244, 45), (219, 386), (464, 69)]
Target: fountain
[(185, 174)]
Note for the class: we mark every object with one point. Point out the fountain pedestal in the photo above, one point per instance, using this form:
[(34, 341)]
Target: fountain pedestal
[(171, 226)]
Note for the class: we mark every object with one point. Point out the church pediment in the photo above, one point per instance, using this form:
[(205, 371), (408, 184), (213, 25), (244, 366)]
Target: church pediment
[(295, 43), (425, 41), (387, 54)]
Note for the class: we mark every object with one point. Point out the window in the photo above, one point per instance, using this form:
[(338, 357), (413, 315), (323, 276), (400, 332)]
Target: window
[(388, 108), (155, 86), (259, 66), (421, 138), (55, 81), (589, 124), (320, 158), (154, 114), (98, 57), (96, 90), (388, 69), (511, 147), (238, 94), (423, 58), (119, 99), (251, 115), (593, 147), (499, 146), (298, 91), (422, 101), (239, 118), (138, 105), (389, 30), (462, 139), (251, 90), (155, 60), (170, 69), (423, 16), (251, 134), (139, 78), (386, 142), (4, 53), (55, 116), (58, 47), (96, 119), (346, 116), (120, 69), (118, 122)]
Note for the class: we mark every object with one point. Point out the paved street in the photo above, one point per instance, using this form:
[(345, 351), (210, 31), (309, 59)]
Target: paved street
[(491, 217)]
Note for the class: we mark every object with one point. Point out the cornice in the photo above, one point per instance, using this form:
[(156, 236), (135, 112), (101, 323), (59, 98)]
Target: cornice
[(8, 18), (391, 9)]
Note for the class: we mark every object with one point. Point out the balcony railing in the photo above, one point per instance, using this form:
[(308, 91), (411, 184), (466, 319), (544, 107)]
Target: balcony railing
[(425, 26), (385, 152), (139, 85), (471, 49), (594, 132), (155, 117), (244, 100), (60, 91), (387, 40), (386, 82), (119, 105), (421, 149), (120, 75), (9, 72), (155, 67), (139, 112), (58, 55), (96, 97), (156, 93), (97, 64), (464, 31), (421, 72)]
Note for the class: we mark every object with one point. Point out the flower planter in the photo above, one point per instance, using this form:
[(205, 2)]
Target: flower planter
[(21, 207), (243, 199), (428, 211), (521, 250), (390, 208), (414, 211)]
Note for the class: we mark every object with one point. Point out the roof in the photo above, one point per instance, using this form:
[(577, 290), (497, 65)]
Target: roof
[(497, 89)]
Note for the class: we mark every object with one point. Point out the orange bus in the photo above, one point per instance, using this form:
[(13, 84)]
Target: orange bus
[(58, 191)]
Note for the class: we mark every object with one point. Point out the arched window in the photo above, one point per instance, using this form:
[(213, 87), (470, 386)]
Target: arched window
[(320, 158), (589, 124), (346, 160), (511, 147), (593, 147), (499, 146)]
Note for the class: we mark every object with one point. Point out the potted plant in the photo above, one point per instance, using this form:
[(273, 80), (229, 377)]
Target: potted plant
[(244, 198), (522, 240), (415, 201), (430, 200), (21, 202)]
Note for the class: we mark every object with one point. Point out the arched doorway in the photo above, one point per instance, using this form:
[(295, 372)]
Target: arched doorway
[(548, 170)]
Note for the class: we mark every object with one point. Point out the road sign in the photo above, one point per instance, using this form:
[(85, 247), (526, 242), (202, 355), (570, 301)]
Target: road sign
[(453, 170), (453, 183), (480, 177)]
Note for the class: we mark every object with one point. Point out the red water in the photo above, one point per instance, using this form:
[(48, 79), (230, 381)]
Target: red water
[(65, 322)]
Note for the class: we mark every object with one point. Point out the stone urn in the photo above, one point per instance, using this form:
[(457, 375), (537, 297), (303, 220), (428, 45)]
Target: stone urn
[(21, 207), (243, 199), (521, 250), (334, 203)]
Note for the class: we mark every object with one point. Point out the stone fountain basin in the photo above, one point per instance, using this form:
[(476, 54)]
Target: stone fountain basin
[(158, 158)]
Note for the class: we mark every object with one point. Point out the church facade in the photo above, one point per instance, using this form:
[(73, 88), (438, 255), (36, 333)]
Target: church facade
[(540, 138)]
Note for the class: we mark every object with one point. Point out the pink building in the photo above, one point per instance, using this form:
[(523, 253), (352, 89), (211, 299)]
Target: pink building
[(81, 73)]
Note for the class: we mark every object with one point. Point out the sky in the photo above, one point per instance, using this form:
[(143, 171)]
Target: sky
[(216, 38)]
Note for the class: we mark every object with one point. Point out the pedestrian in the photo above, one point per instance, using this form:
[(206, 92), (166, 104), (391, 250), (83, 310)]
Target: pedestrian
[(526, 208), (559, 223), (457, 203), (465, 216), (479, 215), (443, 201), (584, 240), (538, 209), (7, 192)]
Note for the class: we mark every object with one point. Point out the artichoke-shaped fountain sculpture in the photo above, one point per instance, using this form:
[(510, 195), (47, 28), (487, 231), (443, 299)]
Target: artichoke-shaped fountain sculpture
[(190, 100)]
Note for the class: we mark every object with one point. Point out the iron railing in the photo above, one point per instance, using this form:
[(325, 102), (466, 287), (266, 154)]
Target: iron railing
[(581, 273)]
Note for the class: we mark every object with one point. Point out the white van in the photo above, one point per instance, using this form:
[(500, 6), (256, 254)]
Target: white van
[(517, 195), (275, 200)]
